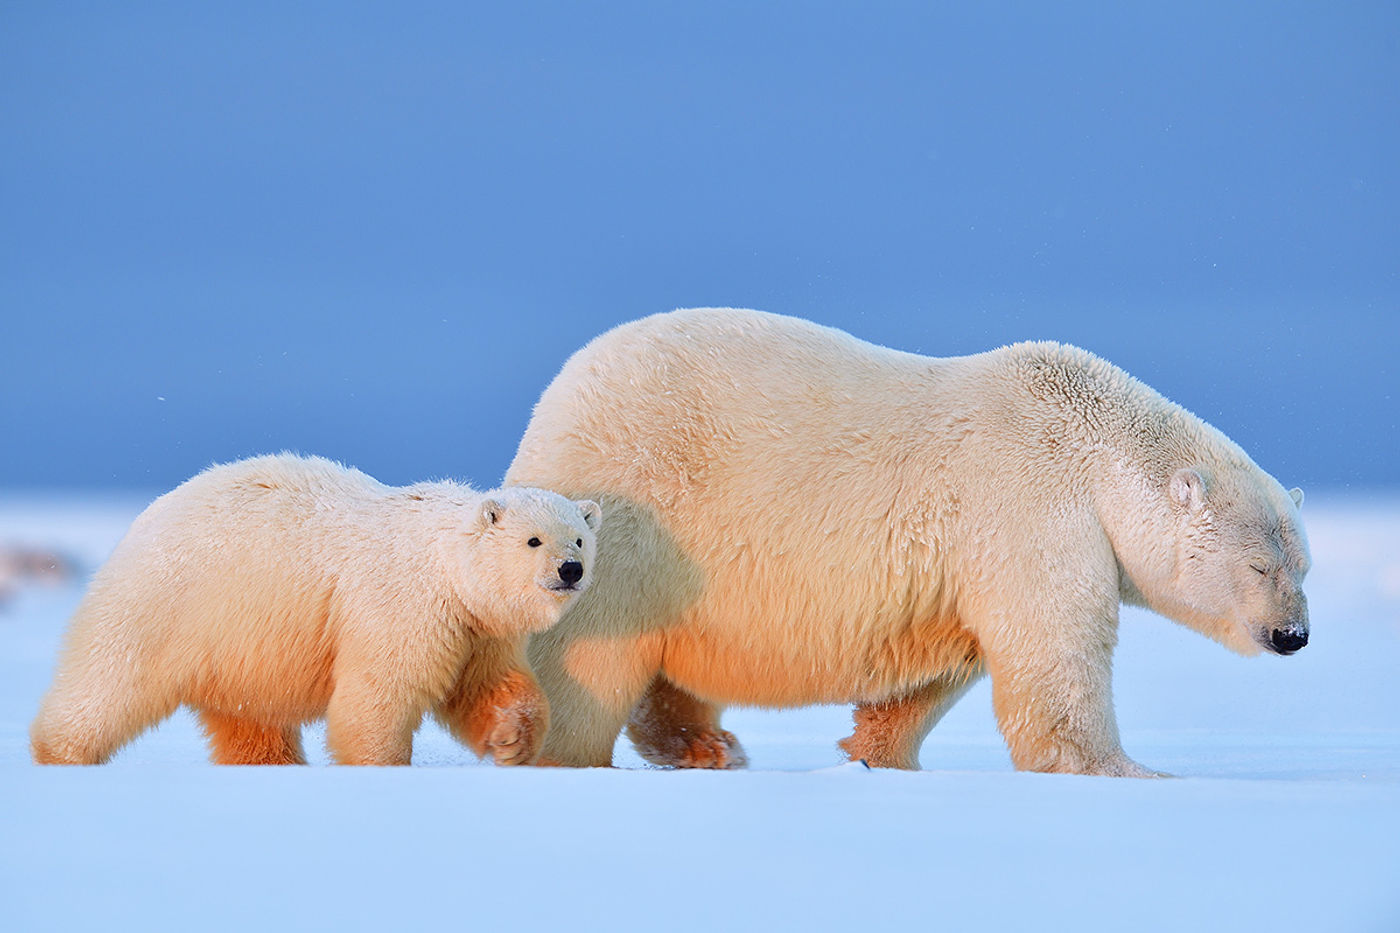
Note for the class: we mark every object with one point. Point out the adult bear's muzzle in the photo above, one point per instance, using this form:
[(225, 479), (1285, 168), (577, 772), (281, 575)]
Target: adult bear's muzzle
[(1288, 638)]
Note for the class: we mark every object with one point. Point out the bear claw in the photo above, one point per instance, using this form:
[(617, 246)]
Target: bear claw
[(511, 741), (718, 750)]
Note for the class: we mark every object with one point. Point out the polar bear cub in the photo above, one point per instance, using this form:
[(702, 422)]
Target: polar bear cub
[(278, 590)]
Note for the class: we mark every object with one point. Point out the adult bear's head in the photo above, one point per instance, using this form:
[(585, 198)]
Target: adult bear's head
[(1201, 534), (1220, 548), (1240, 557)]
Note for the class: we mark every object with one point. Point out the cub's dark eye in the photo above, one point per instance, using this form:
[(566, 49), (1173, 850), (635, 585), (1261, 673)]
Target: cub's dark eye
[(533, 542), (1260, 569), (578, 543)]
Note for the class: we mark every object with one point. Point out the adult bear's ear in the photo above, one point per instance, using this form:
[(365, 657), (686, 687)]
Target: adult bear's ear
[(1296, 495), (1188, 489), (489, 513), (592, 514)]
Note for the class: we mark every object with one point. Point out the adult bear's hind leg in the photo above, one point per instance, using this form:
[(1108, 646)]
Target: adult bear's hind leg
[(596, 664), (234, 740), (592, 686), (889, 734), (673, 728)]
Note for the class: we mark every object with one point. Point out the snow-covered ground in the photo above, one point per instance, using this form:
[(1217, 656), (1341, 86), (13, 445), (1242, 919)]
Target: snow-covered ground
[(1286, 814)]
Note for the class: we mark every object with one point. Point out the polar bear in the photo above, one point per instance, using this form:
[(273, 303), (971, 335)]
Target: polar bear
[(277, 590), (798, 517)]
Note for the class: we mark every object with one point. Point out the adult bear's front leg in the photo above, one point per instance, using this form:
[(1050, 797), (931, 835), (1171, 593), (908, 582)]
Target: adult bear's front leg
[(1051, 669)]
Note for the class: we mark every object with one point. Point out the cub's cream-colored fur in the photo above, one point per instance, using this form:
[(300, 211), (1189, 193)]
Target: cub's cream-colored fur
[(273, 591), (796, 517)]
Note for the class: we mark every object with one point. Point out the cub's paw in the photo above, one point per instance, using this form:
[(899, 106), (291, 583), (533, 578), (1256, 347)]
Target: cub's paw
[(516, 734)]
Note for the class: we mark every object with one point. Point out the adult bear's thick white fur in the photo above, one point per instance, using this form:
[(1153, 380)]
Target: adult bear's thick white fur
[(796, 516)]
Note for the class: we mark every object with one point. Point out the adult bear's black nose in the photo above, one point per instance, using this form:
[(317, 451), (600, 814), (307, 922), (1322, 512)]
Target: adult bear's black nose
[(1287, 641), (571, 571)]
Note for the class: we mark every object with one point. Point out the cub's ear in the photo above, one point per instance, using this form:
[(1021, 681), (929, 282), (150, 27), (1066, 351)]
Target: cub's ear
[(1296, 495), (592, 514), (489, 513), (1188, 489)]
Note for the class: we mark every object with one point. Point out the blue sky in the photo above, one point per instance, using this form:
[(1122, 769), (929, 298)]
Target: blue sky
[(374, 232)]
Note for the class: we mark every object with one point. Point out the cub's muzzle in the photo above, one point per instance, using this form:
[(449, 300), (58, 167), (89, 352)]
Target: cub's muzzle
[(571, 571)]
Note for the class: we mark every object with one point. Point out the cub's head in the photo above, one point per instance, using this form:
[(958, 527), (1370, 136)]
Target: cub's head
[(533, 553), (1240, 558)]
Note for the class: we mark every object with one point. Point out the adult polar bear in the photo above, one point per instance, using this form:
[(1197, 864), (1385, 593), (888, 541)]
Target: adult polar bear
[(796, 517)]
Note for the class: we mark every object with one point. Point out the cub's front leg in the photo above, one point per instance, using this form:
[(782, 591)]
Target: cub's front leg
[(496, 707)]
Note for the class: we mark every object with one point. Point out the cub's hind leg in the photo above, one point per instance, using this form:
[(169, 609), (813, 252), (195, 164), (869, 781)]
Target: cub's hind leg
[(93, 709), (235, 740), (672, 727)]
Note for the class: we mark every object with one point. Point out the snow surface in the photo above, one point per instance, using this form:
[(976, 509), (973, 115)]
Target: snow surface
[(1286, 815)]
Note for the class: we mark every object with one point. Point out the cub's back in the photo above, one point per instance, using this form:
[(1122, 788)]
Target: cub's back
[(254, 543)]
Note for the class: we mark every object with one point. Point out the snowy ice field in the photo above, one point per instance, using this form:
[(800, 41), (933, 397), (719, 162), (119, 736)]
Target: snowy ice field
[(1285, 814)]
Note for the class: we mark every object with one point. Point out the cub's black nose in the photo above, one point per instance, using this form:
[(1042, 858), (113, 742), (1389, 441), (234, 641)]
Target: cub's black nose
[(571, 571), (1286, 641)]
